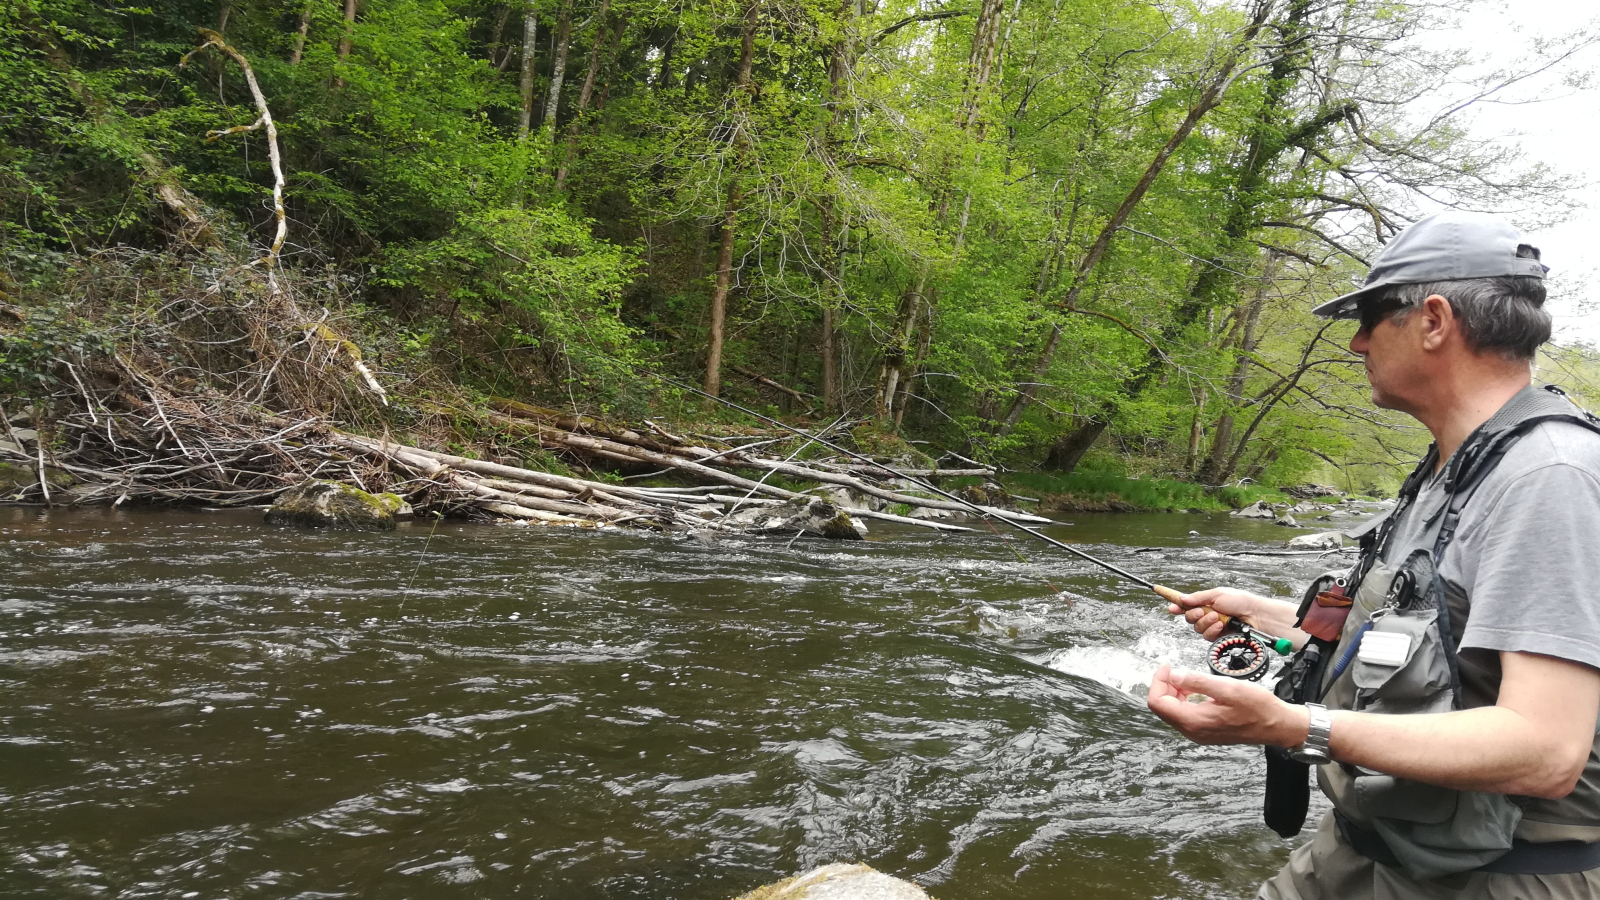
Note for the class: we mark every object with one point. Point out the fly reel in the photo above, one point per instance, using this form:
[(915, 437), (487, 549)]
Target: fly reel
[(1238, 655)]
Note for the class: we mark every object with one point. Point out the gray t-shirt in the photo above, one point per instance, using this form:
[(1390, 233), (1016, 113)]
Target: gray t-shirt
[(1527, 546), (1521, 571)]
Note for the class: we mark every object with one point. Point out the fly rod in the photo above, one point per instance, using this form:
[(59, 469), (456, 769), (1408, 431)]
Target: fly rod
[(1166, 593)]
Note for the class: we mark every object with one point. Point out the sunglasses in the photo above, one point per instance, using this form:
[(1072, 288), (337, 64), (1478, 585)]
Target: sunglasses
[(1373, 313)]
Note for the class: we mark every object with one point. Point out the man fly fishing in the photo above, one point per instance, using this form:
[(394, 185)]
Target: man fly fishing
[(1446, 688)]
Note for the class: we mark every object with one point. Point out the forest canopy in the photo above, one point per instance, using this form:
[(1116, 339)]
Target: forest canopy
[(1042, 232)]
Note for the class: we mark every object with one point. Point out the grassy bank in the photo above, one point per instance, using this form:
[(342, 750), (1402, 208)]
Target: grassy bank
[(1106, 491)]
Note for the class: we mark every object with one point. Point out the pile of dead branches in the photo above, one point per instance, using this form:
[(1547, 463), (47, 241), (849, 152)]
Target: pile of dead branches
[(121, 435)]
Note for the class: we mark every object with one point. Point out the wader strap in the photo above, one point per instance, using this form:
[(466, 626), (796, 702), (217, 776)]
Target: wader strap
[(1524, 858), (1366, 843)]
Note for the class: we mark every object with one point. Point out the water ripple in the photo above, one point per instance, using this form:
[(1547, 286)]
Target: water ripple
[(195, 704)]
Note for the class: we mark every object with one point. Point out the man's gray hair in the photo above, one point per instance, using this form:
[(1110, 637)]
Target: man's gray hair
[(1504, 314)]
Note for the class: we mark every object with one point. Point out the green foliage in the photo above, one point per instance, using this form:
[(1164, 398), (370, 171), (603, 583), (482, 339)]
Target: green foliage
[(34, 356), (874, 170)]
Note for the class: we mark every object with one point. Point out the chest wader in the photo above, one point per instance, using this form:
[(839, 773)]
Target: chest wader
[(1385, 639)]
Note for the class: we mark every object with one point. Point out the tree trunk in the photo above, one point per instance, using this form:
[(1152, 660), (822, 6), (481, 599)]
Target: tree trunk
[(300, 34), (1071, 447), (1216, 468), (558, 73), (833, 236), (1197, 430), (896, 354), (1261, 463), (730, 213), (1270, 398), (496, 45), (981, 56), (602, 42), (599, 42), (719, 296), (830, 363), (346, 39), (530, 39), (664, 71)]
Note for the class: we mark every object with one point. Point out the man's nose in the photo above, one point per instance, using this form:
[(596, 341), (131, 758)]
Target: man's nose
[(1358, 344)]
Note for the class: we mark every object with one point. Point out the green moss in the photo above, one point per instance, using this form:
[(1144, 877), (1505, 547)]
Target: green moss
[(329, 504)]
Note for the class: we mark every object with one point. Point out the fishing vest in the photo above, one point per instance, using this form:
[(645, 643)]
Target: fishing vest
[(1397, 653)]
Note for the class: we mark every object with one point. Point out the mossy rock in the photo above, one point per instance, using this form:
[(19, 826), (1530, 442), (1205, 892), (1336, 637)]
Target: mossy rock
[(340, 507), (838, 527), (801, 514), (14, 476), (21, 477), (987, 494)]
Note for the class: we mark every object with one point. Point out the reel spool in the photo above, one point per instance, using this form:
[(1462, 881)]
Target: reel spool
[(1238, 655)]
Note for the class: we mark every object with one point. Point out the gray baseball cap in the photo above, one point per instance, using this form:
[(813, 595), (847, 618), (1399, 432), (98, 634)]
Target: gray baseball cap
[(1445, 246)]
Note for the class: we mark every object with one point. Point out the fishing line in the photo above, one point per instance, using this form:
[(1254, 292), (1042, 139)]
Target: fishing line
[(406, 594), (1166, 593)]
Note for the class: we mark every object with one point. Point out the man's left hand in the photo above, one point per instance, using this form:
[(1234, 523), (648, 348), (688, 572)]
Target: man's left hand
[(1231, 711)]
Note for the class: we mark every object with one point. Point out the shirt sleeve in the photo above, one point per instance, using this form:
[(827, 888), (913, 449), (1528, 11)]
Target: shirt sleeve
[(1535, 588)]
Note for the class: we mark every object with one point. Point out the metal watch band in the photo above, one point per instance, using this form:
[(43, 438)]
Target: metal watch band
[(1315, 750)]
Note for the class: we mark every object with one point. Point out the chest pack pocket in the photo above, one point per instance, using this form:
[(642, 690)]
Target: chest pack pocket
[(1401, 663)]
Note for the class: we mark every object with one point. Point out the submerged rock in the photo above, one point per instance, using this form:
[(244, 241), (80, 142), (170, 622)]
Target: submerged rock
[(329, 504), (814, 517), (1327, 540), (839, 881)]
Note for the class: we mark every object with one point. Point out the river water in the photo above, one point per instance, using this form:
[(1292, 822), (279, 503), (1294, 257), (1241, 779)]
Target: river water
[(197, 705)]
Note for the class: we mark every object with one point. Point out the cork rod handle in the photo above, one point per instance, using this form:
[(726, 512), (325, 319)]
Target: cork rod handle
[(1171, 596)]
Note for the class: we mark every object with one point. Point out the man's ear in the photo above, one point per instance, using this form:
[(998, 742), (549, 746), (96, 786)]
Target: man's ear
[(1438, 321)]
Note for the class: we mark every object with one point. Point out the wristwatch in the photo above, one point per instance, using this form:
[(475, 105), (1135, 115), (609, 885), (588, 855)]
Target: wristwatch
[(1315, 750)]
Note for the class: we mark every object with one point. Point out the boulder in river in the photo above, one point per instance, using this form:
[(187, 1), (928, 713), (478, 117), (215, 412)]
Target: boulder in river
[(330, 504), (839, 881), (808, 516), (1256, 510), (1286, 521), (1327, 540)]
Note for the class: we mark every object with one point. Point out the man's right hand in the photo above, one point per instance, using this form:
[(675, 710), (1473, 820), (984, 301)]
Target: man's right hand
[(1201, 609), (1205, 609)]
